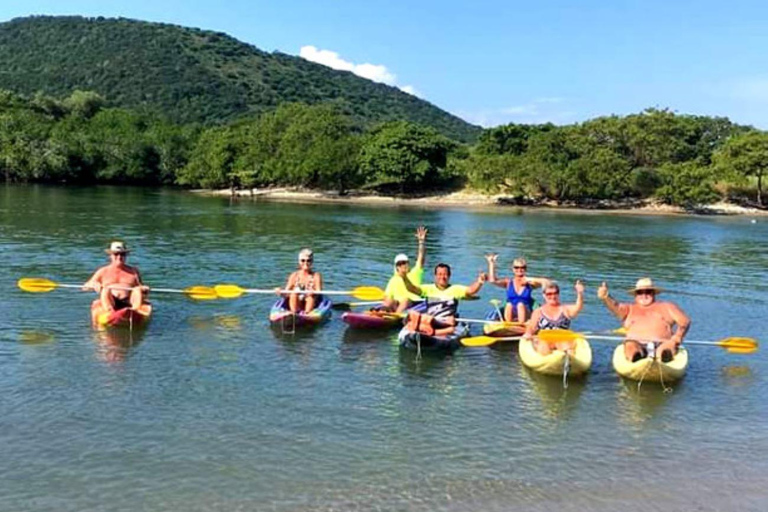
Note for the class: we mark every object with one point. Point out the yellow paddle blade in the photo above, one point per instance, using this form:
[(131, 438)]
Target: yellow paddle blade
[(557, 336), (201, 293), (228, 291), (367, 293), (479, 341), (740, 350), (36, 284), (738, 343), (620, 330)]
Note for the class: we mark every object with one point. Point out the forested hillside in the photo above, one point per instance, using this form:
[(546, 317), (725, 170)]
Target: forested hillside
[(191, 75)]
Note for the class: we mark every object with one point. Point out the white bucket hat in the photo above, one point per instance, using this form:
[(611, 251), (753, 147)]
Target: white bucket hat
[(117, 248), (400, 258)]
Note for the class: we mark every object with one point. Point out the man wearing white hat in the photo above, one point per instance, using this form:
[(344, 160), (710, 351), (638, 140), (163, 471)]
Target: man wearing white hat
[(647, 320), (118, 285), (396, 297)]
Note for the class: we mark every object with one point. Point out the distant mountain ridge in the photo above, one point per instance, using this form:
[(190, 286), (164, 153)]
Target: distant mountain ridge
[(189, 74)]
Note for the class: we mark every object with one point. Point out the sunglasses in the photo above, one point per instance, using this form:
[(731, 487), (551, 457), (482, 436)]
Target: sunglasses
[(519, 268), (645, 292), (551, 294), (306, 261)]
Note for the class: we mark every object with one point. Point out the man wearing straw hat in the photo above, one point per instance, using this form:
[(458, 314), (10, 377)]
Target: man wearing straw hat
[(647, 320), (118, 284)]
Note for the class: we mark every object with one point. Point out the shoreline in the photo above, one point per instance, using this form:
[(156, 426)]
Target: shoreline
[(466, 199)]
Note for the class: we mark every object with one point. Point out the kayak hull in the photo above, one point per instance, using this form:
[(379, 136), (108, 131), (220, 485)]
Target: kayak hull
[(280, 314), (374, 319), (500, 329), (651, 369), (417, 341), (126, 317), (554, 363)]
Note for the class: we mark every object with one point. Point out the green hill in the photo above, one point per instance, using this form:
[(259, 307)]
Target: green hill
[(189, 74)]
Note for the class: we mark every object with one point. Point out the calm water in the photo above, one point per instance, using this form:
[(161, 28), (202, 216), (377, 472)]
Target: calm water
[(209, 409)]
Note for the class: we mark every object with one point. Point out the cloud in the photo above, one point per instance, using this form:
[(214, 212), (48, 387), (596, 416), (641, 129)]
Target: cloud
[(537, 111), (374, 72)]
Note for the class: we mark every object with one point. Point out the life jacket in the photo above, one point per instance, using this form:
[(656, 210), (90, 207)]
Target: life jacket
[(442, 308)]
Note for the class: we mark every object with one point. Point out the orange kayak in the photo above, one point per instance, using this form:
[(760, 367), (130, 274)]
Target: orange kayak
[(126, 317)]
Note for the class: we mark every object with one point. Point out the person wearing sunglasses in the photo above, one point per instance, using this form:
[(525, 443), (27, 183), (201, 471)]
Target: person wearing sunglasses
[(554, 315), (648, 320), (519, 288), (396, 296), (307, 281), (119, 286)]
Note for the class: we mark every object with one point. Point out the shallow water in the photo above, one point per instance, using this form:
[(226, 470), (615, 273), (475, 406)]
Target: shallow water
[(211, 409)]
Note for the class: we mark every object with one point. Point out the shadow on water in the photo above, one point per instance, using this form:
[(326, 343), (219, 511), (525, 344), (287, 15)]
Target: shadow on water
[(116, 345), (556, 401)]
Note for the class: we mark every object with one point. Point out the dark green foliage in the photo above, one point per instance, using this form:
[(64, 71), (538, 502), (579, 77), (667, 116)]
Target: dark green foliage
[(405, 156), (613, 157), (190, 75), (305, 145), (745, 156), (686, 184), (76, 140)]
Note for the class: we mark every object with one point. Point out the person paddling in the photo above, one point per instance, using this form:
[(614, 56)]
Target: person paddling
[(648, 321), (396, 296), (442, 300), (119, 286), (519, 288), (554, 315), (305, 280)]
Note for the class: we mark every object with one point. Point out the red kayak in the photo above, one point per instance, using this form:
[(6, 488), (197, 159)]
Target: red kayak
[(373, 319), (377, 319), (126, 317)]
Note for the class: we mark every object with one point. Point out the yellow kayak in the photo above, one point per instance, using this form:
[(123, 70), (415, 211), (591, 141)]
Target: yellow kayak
[(554, 363), (651, 369)]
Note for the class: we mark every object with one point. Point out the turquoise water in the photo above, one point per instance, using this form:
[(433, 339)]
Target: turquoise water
[(210, 409)]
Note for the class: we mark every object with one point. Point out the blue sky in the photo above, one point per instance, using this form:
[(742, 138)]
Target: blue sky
[(494, 62)]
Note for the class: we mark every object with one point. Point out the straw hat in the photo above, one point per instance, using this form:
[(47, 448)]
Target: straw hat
[(117, 248), (645, 283)]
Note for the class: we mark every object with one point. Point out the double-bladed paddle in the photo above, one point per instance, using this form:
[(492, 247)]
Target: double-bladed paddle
[(42, 285), (733, 344), (233, 291)]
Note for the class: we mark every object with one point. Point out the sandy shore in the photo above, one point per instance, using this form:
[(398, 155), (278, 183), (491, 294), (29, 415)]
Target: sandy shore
[(474, 200)]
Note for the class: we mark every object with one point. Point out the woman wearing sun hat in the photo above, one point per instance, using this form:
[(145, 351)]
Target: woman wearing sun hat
[(648, 320)]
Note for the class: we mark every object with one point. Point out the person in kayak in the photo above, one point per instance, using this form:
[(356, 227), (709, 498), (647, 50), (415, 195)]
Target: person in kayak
[(519, 288), (648, 321), (396, 296), (554, 315), (442, 299), (307, 282), (119, 286)]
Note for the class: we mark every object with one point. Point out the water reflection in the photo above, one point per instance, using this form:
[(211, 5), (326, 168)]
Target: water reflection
[(36, 337), (639, 404), (555, 400), (116, 345)]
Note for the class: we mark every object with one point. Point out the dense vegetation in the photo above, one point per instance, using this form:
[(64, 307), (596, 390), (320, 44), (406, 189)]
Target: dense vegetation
[(191, 75), (676, 159)]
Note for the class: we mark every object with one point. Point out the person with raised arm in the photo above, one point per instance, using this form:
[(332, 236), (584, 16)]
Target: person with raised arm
[(396, 297), (519, 287), (647, 320)]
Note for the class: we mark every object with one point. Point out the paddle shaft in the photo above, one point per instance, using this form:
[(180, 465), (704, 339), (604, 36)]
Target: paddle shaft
[(161, 290), (686, 342)]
